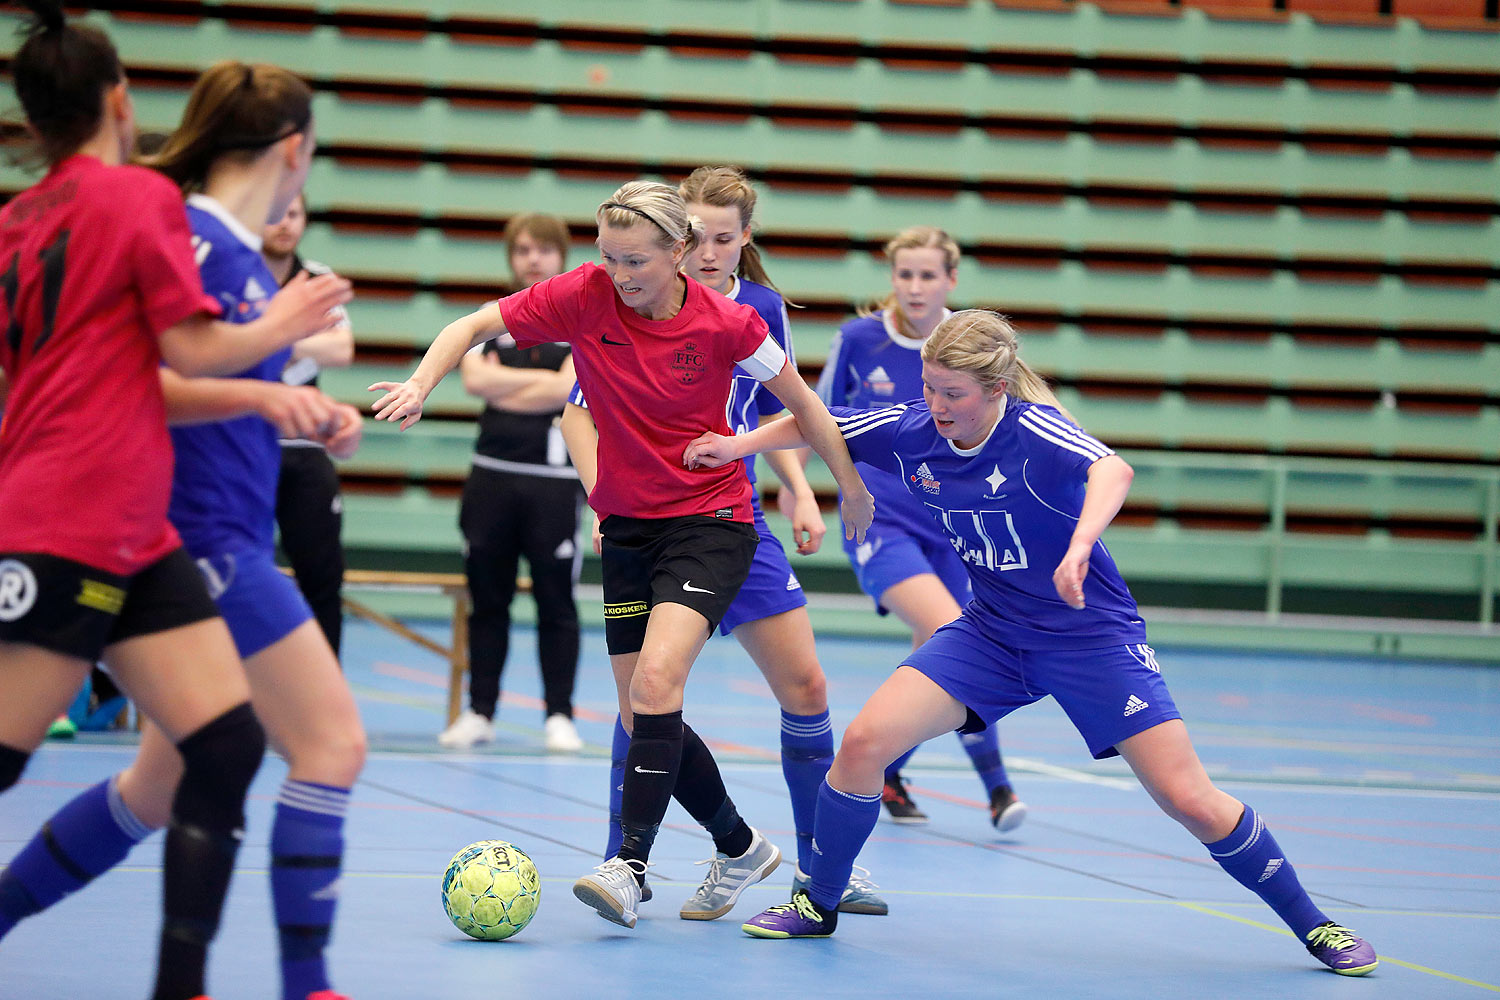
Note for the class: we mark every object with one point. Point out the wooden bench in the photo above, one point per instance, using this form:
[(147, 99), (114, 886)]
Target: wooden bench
[(451, 585)]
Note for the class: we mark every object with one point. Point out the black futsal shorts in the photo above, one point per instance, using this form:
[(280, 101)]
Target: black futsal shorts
[(77, 610), (696, 561)]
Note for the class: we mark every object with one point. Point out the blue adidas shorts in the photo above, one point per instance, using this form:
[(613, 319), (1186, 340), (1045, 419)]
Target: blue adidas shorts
[(1110, 694), (889, 555), (261, 604), (771, 588)]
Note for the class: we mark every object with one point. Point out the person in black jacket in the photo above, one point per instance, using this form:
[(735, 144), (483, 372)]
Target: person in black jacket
[(309, 506), (522, 498)]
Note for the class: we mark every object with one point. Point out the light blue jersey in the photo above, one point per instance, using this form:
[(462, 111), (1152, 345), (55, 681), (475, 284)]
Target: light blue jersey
[(1009, 508)]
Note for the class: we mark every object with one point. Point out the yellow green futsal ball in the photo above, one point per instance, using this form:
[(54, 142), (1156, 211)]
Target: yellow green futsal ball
[(491, 890)]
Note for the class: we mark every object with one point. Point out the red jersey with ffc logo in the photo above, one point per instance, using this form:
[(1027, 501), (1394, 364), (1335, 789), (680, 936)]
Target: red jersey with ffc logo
[(652, 386)]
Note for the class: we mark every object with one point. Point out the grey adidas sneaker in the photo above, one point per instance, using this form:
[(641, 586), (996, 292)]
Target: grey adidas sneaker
[(613, 890), (859, 896), (728, 877)]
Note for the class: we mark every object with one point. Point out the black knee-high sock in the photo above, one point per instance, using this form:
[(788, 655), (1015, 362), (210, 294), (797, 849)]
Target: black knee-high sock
[(700, 790), (651, 767), (208, 820)]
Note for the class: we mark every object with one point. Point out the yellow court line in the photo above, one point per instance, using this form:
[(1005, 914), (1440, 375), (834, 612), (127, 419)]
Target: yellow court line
[(1384, 958)]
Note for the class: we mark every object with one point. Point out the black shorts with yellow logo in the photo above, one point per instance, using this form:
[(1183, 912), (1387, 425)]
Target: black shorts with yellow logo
[(74, 609), (696, 561)]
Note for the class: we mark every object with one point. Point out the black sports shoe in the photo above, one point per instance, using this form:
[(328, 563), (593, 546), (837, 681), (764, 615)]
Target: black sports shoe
[(898, 801), (1006, 811)]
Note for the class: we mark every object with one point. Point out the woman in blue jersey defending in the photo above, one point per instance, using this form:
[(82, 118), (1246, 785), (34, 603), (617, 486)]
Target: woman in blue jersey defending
[(241, 154), (906, 564), (1025, 495), (769, 614)]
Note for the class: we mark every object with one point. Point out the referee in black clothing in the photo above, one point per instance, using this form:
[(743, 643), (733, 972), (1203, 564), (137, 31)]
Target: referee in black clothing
[(523, 498), (309, 506)]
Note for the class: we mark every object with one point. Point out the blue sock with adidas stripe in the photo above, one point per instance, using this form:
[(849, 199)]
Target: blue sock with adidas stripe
[(1253, 859), (307, 853), (86, 838), (844, 822), (806, 753)]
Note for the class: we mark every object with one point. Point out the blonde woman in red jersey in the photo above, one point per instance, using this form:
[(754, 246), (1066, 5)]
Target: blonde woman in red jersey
[(649, 343), (99, 287)]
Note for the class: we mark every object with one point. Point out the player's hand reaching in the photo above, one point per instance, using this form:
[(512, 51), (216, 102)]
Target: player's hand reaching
[(710, 451), (858, 510), (307, 305), (297, 411), (808, 528), (402, 401), (1070, 573), (343, 432)]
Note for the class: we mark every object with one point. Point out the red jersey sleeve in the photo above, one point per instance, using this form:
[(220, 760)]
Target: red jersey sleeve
[(548, 311), (161, 253)]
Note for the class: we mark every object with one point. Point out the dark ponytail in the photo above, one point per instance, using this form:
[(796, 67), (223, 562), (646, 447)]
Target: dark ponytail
[(234, 109), (61, 73)]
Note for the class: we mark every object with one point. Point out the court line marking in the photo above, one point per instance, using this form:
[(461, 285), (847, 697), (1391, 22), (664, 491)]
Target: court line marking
[(1199, 908)]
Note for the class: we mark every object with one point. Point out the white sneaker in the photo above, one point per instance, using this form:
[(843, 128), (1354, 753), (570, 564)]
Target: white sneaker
[(728, 877), (613, 890), (467, 730), (560, 735)]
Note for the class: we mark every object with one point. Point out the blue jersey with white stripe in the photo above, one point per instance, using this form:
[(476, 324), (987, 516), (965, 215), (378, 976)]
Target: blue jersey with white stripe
[(224, 483), (871, 364), (1009, 507), (747, 403)]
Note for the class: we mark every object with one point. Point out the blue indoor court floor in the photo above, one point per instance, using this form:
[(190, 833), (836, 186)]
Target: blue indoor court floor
[(1380, 780)]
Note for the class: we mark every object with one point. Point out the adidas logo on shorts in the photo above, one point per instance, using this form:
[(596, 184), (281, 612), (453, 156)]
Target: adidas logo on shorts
[(1134, 705), (1272, 868)]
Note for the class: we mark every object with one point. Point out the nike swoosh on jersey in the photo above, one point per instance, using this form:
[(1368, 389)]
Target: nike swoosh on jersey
[(604, 339), (688, 586)]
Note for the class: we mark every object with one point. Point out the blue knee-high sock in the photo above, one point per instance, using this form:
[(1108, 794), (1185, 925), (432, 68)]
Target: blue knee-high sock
[(983, 749), (843, 824), (806, 753), (307, 852), (618, 748), (85, 839), (1253, 858)]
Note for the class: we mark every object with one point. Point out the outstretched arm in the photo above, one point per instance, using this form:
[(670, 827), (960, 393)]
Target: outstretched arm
[(818, 429), (1108, 483), (403, 400), (202, 346), (712, 450)]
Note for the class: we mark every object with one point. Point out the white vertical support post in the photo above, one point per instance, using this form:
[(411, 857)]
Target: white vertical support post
[(1278, 537), (1488, 582)]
